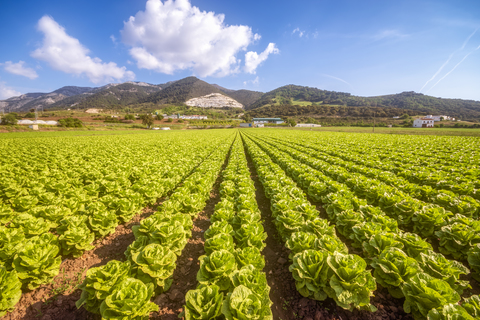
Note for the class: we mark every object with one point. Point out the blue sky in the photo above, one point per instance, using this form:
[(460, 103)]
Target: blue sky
[(363, 47)]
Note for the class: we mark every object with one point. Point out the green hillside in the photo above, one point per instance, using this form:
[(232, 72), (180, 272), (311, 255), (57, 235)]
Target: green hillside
[(409, 102)]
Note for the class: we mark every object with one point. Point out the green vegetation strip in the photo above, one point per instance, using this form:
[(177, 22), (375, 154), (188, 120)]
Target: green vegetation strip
[(231, 283), (57, 195), (402, 261), (320, 263)]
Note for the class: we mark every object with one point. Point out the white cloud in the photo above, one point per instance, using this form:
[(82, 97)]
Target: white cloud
[(253, 59), (174, 35), (300, 32), (65, 53), (7, 92), (20, 69), (254, 81)]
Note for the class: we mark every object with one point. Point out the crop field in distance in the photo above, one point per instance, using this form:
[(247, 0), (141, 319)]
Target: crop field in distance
[(273, 224)]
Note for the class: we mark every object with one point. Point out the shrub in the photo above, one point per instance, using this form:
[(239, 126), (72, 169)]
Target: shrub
[(70, 123)]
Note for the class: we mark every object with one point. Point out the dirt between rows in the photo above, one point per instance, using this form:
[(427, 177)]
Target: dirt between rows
[(172, 302), (288, 304)]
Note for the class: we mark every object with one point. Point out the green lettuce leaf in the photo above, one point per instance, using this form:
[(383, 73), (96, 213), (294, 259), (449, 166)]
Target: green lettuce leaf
[(423, 293), (219, 242), (11, 241), (251, 278), (243, 304), (472, 306), (309, 269), (130, 299), (436, 265), (204, 303), (449, 312), (249, 255), (251, 235), (10, 290), (216, 269), (37, 262), (350, 284), (217, 228), (100, 282), (155, 263), (393, 268)]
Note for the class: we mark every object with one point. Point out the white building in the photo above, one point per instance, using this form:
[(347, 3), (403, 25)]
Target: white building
[(267, 120), (307, 125), (439, 118), (423, 123)]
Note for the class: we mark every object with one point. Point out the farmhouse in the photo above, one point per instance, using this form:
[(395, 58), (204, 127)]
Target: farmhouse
[(423, 123), (267, 120)]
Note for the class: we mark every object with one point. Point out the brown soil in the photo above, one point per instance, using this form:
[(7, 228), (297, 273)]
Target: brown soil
[(288, 304), (57, 300)]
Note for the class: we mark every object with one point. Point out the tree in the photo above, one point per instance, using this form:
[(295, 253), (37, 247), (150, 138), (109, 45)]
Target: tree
[(159, 117), (247, 118), (70, 123), (147, 119), (291, 122), (30, 115), (10, 119), (129, 117)]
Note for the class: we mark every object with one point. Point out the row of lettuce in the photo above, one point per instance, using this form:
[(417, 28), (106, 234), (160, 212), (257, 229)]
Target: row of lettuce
[(459, 235), (403, 263), (320, 263), (58, 195), (112, 290), (451, 198), (441, 163), (231, 283)]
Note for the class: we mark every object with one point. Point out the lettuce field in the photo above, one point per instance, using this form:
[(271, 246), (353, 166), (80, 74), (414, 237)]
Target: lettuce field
[(239, 224)]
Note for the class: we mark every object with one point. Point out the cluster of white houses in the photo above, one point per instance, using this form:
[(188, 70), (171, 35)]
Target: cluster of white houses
[(192, 117), (429, 121)]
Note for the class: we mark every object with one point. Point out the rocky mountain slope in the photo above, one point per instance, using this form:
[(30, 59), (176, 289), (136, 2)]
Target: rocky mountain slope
[(213, 100)]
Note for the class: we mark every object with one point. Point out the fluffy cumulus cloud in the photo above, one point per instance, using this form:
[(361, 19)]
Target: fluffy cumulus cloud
[(20, 69), (7, 92), (174, 35), (253, 59), (65, 53)]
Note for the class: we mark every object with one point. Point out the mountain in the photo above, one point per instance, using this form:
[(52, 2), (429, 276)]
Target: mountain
[(110, 96), (32, 100), (245, 97), (289, 100), (182, 90), (416, 103)]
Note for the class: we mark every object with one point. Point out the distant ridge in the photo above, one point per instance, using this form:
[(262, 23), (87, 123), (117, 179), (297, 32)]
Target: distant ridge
[(288, 97)]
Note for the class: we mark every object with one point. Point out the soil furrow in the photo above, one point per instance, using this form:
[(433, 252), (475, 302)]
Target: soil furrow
[(172, 302)]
